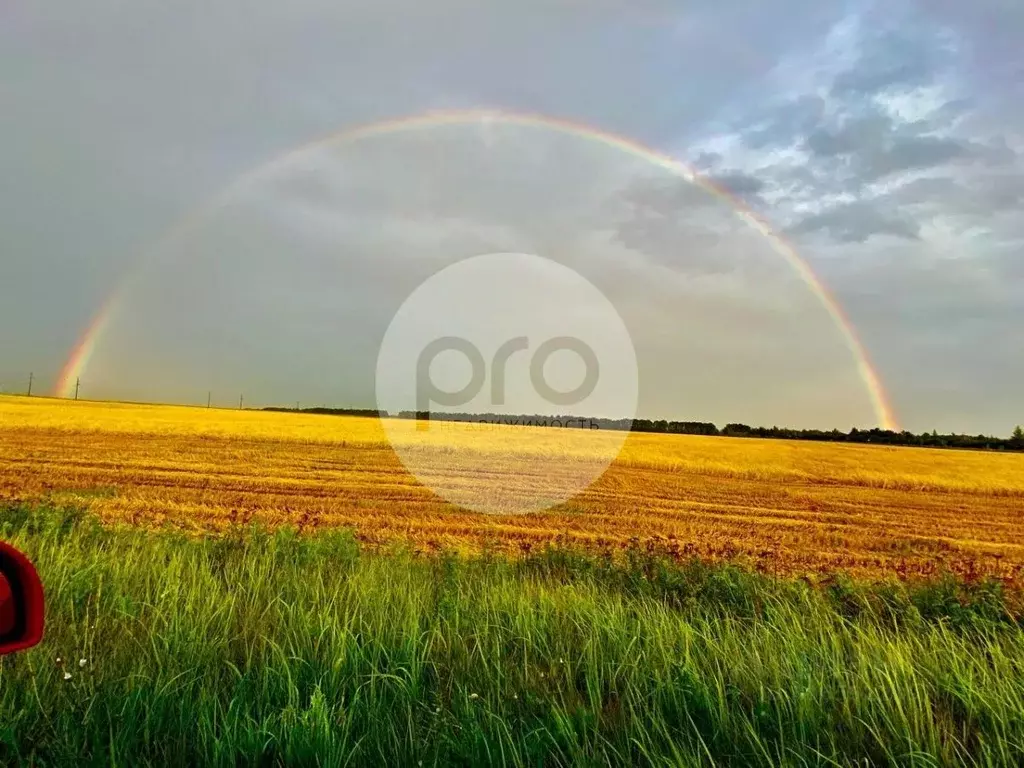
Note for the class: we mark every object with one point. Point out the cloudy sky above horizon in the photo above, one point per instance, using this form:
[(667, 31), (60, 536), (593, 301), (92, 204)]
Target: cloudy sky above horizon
[(884, 139)]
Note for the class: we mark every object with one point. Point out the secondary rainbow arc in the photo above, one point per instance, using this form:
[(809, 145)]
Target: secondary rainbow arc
[(83, 350)]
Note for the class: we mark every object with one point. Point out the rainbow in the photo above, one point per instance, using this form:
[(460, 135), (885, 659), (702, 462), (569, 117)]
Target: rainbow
[(78, 360)]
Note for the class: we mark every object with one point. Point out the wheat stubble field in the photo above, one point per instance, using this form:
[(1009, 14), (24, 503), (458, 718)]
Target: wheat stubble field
[(785, 507), (248, 588)]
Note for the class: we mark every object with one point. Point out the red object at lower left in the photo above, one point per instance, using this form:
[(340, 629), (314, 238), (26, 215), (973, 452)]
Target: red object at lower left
[(22, 606)]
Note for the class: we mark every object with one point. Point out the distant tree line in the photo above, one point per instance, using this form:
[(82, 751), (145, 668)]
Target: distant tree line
[(877, 436), (882, 437), (323, 411)]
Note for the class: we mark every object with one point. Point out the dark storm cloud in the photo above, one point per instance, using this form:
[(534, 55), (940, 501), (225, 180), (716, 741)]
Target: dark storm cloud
[(799, 116), (873, 145), (858, 221), (685, 225), (978, 198), (906, 153), (738, 183), (705, 160), (904, 56), (853, 136)]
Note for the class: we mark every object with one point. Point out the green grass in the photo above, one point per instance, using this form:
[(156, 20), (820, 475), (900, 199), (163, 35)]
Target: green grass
[(271, 649)]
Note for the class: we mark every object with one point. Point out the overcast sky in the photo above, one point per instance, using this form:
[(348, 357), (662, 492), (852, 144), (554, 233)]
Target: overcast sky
[(883, 139)]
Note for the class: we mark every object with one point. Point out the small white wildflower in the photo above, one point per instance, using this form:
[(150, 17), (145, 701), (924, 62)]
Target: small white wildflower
[(474, 696), (67, 675), (58, 659), (515, 697), (82, 662)]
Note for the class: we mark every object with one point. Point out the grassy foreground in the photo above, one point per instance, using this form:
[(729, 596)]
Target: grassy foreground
[(260, 648)]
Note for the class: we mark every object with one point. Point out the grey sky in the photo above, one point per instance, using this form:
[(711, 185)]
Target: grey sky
[(883, 139)]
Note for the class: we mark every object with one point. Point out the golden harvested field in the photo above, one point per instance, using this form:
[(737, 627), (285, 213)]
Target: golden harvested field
[(786, 507)]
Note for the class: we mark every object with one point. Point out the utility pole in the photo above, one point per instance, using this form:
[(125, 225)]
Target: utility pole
[(240, 402), (31, 376), (78, 382), (296, 405), (208, 396)]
